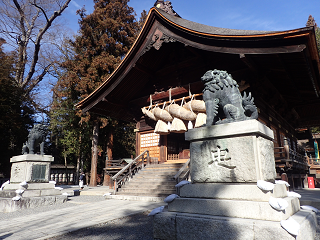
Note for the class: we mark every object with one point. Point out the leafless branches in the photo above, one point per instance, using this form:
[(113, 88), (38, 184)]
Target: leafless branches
[(26, 24)]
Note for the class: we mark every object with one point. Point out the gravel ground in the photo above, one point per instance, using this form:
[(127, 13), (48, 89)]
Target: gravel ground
[(71, 202)]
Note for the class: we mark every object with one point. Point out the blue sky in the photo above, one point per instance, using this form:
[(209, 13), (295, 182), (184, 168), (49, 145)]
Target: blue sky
[(271, 15)]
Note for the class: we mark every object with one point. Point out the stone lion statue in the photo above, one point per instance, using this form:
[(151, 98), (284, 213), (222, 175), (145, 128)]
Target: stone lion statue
[(36, 137), (221, 91)]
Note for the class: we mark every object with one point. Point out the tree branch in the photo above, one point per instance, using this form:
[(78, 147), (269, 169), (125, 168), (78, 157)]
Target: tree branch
[(38, 79), (38, 41), (44, 13), (38, 107), (20, 65)]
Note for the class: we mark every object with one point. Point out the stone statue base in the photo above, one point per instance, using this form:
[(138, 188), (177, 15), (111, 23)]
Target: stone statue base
[(231, 211), (187, 226), (239, 152), (35, 170), (223, 200), (31, 168)]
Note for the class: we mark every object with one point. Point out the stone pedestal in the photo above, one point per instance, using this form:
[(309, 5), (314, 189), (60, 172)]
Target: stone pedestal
[(223, 200), (31, 168), (35, 170), (237, 152)]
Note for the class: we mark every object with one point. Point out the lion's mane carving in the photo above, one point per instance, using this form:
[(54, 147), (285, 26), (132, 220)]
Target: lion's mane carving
[(36, 137), (222, 91)]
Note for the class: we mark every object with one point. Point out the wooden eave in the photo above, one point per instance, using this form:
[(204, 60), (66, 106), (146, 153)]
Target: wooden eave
[(123, 87)]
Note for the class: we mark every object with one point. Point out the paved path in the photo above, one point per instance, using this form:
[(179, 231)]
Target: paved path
[(81, 213), (309, 197), (56, 222)]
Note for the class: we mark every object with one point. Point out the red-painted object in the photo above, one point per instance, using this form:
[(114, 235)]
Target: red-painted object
[(310, 182)]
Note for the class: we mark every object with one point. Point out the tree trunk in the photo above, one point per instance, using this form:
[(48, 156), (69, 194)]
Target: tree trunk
[(107, 179), (94, 159), (77, 175), (66, 165)]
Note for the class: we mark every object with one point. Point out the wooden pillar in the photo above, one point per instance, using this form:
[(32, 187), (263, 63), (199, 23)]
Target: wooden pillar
[(107, 178), (137, 139), (284, 177), (292, 179), (163, 148), (305, 181)]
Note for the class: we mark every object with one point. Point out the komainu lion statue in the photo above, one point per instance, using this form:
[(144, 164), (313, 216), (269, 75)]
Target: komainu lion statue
[(222, 92), (36, 137)]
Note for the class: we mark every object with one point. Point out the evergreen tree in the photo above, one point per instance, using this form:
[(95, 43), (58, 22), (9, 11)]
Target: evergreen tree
[(69, 138), (143, 18), (105, 37)]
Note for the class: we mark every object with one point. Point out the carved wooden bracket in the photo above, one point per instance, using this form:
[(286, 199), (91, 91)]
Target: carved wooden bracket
[(157, 39)]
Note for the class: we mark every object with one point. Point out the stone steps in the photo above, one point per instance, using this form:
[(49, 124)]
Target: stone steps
[(161, 169), (159, 172), (153, 185), (163, 194), (162, 190), (154, 181), (136, 198)]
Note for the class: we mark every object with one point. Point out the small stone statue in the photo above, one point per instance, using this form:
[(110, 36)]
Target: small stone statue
[(165, 6), (221, 91), (36, 137)]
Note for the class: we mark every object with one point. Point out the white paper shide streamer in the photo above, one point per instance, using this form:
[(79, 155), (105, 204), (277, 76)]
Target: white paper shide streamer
[(24, 184), (182, 183), (291, 226), (282, 182), (156, 210), (278, 203), (170, 198), (310, 208), (4, 184), (265, 186), (293, 194)]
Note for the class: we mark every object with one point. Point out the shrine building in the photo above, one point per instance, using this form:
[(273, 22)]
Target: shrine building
[(281, 69)]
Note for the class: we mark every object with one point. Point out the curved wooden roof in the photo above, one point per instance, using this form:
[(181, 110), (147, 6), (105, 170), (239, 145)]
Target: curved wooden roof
[(174, 52)]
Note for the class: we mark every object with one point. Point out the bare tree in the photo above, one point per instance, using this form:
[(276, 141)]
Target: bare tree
[(26, 25)]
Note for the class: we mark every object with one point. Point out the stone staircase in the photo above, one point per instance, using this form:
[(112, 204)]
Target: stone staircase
[(153, 181)]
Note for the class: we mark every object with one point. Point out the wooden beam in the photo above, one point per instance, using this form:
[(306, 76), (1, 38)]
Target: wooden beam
[(177, 66), (314, 103), (248, 49), (249, 63), (165, 95), (175, 92), (106, 101), (144, 69), (195, 87)]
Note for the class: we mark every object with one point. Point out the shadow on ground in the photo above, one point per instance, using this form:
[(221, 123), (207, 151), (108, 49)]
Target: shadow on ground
[(138, 226)]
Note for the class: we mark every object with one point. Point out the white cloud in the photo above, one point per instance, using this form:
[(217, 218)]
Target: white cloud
[(75, 4), (250, 22)]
